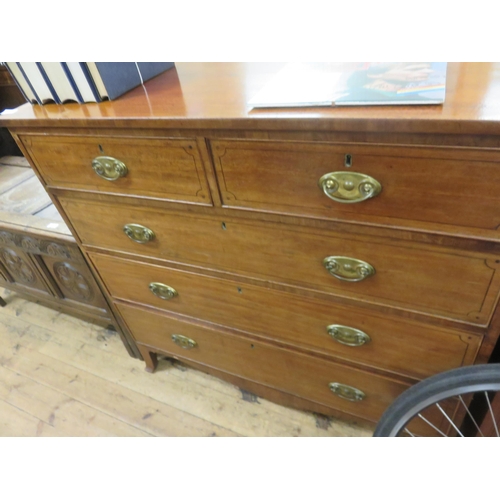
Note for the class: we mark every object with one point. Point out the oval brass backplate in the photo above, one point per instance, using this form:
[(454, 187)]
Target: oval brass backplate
[(349, 187), (347, 392), (347, 268), (109, 168), (347, 335), (184, 342), (163, 291), (138, 233)]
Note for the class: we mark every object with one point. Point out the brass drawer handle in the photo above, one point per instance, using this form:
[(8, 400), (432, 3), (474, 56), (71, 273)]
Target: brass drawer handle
[(109, 168), (162, 291), (138, 233), (349, 187), (347, 392), (347, 335), (184, 342), (347, 268)]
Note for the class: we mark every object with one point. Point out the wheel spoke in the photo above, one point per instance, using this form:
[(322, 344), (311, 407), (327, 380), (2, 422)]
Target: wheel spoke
[(492, 414), (449, 420), (470, 415), (432, 425)]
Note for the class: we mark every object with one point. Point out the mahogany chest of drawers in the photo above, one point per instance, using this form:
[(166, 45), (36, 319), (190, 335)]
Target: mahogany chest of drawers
[(323, 258)]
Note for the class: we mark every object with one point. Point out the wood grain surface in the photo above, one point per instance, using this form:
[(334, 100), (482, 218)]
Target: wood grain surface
[(298, 374), (407, 276), (177, 99), (170, 169), (408, 348), (282, 177)]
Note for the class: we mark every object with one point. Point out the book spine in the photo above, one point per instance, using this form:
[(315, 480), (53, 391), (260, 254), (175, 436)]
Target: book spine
[(38, 100), (57, 100), (91, 81), (20, 87), (72, 82), (148, 70)]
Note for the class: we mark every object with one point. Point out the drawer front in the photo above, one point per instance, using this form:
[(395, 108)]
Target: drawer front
[(402, 346), (424, 278), (429, 185), (291, 372), (169, 169)]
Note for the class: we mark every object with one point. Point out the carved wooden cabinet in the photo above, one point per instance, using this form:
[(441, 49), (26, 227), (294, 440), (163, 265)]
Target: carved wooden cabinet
[(53, 267), (39, 258), (223, 238)]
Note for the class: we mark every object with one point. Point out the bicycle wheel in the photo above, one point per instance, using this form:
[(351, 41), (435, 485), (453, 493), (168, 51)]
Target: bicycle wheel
[(463, 398)]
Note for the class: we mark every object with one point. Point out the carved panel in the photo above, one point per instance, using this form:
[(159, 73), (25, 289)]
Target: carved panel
[(3, 275), (36, 246), (30, 244), (18, 267), (56, 250), (6, 238), (73, 282)]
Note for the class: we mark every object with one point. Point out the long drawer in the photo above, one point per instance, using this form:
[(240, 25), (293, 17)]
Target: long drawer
[(350, 333), (295, 373), (169, 169), (425, 278), (287, 177)]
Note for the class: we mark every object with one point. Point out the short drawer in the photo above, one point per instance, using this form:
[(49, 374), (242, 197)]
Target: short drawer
[(424, 278), (419, 185), (169, 169), (402, 346), (295, 373)]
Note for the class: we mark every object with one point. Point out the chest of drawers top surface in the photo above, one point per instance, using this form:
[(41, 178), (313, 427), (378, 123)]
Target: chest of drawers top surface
[(216, 95)]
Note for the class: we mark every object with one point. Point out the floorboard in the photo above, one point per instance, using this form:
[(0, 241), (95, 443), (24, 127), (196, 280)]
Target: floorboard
[(60, 376)]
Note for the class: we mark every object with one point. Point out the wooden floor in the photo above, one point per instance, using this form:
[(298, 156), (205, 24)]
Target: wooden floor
[(60, 376)]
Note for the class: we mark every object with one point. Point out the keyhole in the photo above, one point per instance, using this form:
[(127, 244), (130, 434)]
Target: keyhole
[(348, 161), (223, 225), (100, 149)]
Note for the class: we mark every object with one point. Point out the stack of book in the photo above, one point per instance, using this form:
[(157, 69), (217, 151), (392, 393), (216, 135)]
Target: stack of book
[(81, 82)]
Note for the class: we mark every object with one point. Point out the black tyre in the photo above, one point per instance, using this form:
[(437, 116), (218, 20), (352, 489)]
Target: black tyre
[(480, 379)]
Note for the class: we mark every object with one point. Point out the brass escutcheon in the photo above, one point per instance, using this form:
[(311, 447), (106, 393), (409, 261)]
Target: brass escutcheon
[(347, 392), (109, 168), (347, 268), (349, 187), (184, 342), (162, 291), (347, 335), (138, 233)]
